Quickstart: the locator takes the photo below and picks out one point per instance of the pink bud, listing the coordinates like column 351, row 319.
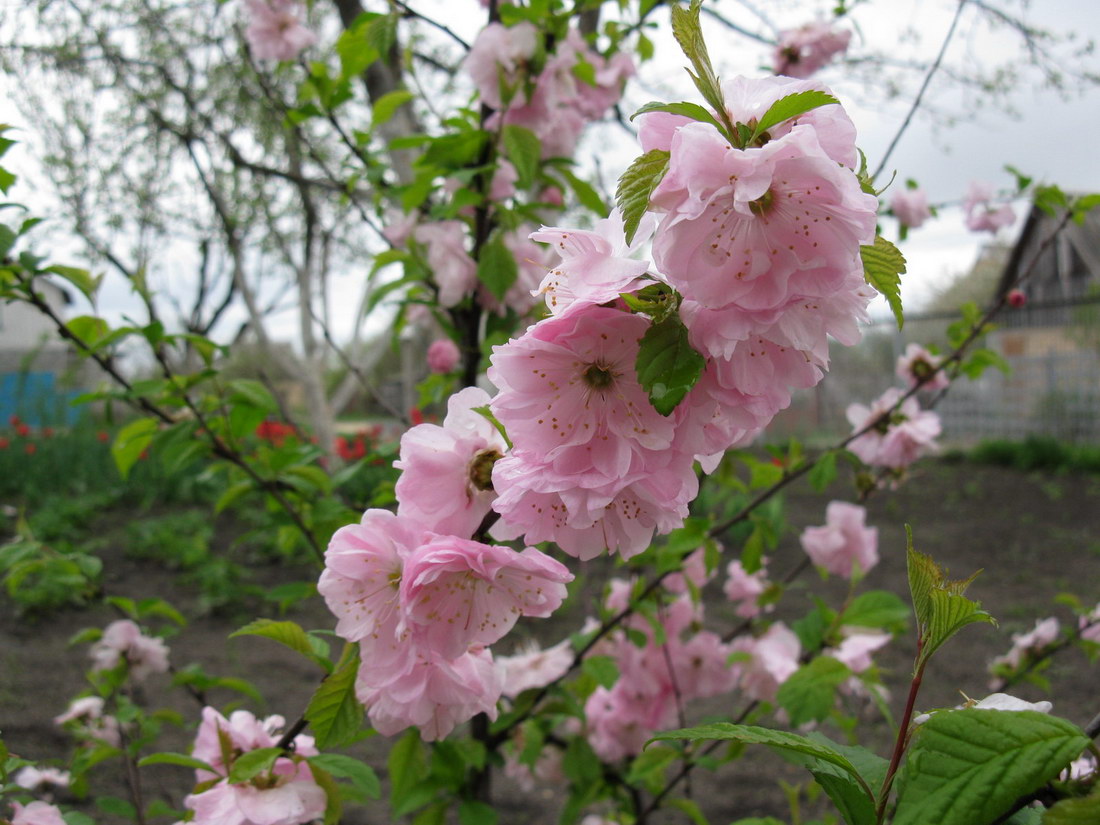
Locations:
column 1017, row 298
column 443, row 355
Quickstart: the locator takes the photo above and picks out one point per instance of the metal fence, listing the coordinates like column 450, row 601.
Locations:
column 1053, row 389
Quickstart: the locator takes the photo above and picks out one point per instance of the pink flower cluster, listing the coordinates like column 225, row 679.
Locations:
column 910, row 207
column 981, row 214
column 86, row 719
column 844, row 544
column 690, row 664
column 286, row 794
column 899, row 438
column 123, row 641
column 554, row 101
column 762, row 243
column 1043, row 634
column 802, row 51
column 36, row 813
column 420, row 596
column 275, row 31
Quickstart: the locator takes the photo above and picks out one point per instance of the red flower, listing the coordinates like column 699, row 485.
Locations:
column 47, row 432
column 3, row 443
column 22, row 430
column 103, row 436
column 416, row 416
column 31, row 449
column 1017, row 298
column 14, row 421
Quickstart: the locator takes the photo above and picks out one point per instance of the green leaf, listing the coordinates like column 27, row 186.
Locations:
column 496, row 267
column 850, row 799
column 823, row 473
column 940, row 606
column 252, row 763
column 883, row 266
column 689, row 34
column 691, row 110
column 131, row 441
column 1085, row 811
column 7, row 239
column 810, row 692
column 232, row 493
column 334, row 714
column 407, row 769
column 472, row 812
column 285, row 633
column 252, row 392
column 360, row 774
column 384, row 108
column 636, row 185
column 176, row 759
column 970, row 766
column 878, row 609
column 603, row 669
column 116, row 807
column 7, row 181
column 587, row 195
column 791, row 106
column 524, row 150
column 667, row 365
column 354, row 47
column 753, row 735
column 80, row 278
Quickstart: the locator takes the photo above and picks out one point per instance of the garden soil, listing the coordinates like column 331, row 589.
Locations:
column 1034, row 535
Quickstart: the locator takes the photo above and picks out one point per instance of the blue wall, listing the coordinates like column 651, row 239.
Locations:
column 36, row 398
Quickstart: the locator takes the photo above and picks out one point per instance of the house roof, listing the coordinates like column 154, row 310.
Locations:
column 1066, row 268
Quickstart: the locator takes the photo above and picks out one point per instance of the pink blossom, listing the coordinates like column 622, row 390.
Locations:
column 275, row 31
column 774, row 659
column 124, row 641
column 897, row 440
column 593, row 100
column 432, row 693
column 399, row 226
column 443, row 356
column 693, row 569
column 362, row 576
column 445, row 484
column 504, row 180
column 1090, row 625
column 844, row 543
column 1043, row 634
column 33, row 778
column 36, row 813
column 804, row 50
column 620, row 721
column 534, row 667
column 498, row 58
column 87, row 711
column 452, row 268
column 245, row 732
column 910, row 207
column 595, row 265
column 917, row 363
column 756, row 227
column 981, row 215
column 1003, row 701
column 745, row 589
column 458, row 593
column 856, row 649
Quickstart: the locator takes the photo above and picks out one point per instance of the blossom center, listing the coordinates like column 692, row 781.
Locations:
column 481, row 468
column 598, row 376
column 762, row 205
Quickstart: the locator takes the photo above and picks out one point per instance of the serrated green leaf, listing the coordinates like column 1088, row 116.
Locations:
column 823, row 473
column 1084, row 811
column 970, row 766
column 879, row 609
column 354, row 47
column 496, row 267
column 360, row 774
column 601, row 668
column 80, row 278
column 667, row 365
column 850, row 799
column 791, row 106
column 407, row 769
column 587, row 195
column 285, row 633
column 883, row 266
column 689, row 35
column 753, row 735
column 252, row 392
column 384, row 108
column 636, row 185
column 334, row 714
column 472, row 812
column 232, row 493
column 179, row 759
column 810, row 692
column 131, row 441
column 524, row 149
column 252, row 763
column 691, row 110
